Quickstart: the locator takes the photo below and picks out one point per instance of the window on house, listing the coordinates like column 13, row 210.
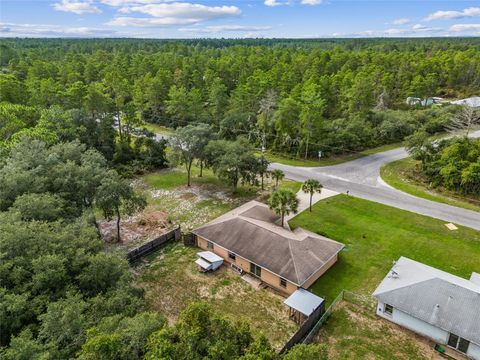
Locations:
column 283, row 282
column 255, row 270
column 231, row 256
column 458, row 343
column 209, row 245
column 463, row 345
column 388, row 309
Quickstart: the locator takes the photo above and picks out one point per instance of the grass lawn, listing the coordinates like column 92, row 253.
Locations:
column 354, row 332
column 376, row 234
column 206, row 199
column 158, row 129
column 172, row 281
column 403, row 175
column 332, row 160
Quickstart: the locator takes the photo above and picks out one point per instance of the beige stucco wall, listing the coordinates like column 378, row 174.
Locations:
column 274, row 281
column 266, row 276
column 320, row 272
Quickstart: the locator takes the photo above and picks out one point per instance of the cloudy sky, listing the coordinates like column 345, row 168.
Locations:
column 238, row 18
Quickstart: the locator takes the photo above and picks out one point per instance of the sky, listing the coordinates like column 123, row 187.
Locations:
column 238, row 18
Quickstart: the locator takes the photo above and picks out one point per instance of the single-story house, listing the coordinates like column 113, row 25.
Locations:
column 250, row 238
column 433, row 303
column 473, row 102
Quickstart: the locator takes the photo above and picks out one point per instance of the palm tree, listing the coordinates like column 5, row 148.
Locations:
column 283, row 202
column 311, row 186
column 278, row 175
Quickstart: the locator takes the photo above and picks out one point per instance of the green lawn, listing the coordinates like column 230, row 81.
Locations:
column 376, row 234
column 171, row 281
column 158, row 129
column 404, row 175
column 332, row 160
column 354, row 332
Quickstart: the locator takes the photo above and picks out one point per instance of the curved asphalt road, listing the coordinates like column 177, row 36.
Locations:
column 361, row 178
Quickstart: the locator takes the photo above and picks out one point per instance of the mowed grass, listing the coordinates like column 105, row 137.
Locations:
column 404, row 175
column 171, row 281
column 375, row 235
column 354, row 332
column 327, row 161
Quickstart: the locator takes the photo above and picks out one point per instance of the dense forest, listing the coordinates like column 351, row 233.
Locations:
column 292, row 96
column 69, row 117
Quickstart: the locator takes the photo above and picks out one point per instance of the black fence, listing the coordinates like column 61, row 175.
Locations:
column 305, row 329
column 153, row 245
column 190, row 239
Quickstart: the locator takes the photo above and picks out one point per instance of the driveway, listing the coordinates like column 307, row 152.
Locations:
column 361, row 178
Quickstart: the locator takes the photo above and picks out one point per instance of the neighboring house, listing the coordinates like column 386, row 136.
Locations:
column 433, row 303
column 415, row 101
column 473, row 102
column 250, row 238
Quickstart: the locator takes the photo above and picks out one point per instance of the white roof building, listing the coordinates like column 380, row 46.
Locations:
column 433, row 303
column 473, row 101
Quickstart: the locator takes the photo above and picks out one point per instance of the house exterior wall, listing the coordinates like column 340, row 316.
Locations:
column 474, row 351
column 419, row 326
column 320, row 272
column 266, row 276
column 438, row 335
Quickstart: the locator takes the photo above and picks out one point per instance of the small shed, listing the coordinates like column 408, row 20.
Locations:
column 208, row 261
column 302, row 304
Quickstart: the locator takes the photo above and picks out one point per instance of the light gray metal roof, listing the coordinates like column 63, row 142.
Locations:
column 304, row 301
column 434, row 296
column 203, row 264
column 209, row 256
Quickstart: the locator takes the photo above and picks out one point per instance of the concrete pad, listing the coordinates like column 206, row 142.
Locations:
column 304, row 201
column 255, row 282
column 451, row 226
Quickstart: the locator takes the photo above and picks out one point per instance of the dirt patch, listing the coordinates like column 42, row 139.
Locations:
column 139, row 228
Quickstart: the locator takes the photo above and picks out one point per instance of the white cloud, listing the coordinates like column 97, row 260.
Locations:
column 224, row 28
column 118, row 3
column 464, row 27
column 168, row 14
column 311, row 2
column 448, row 15
column 275, row 3
column 41, row 30
column 415, row 30
column 401, row 21
column 76, row 7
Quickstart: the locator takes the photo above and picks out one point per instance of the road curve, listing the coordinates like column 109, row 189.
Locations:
column 361, row 178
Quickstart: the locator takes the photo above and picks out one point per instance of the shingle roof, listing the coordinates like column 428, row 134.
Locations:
column 434, row 296
column 248, row 231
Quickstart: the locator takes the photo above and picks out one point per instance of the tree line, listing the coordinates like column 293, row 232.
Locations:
column 297, row 97
column 63, row 296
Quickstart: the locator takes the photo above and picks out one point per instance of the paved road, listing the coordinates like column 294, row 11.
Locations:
column 361, row 178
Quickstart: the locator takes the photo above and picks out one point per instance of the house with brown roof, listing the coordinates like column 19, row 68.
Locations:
column 250, row 238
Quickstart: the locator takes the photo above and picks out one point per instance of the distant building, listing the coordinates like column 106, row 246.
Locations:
column 433, row 303
column 415, row 101
column 473, row 101
column 250, row 239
